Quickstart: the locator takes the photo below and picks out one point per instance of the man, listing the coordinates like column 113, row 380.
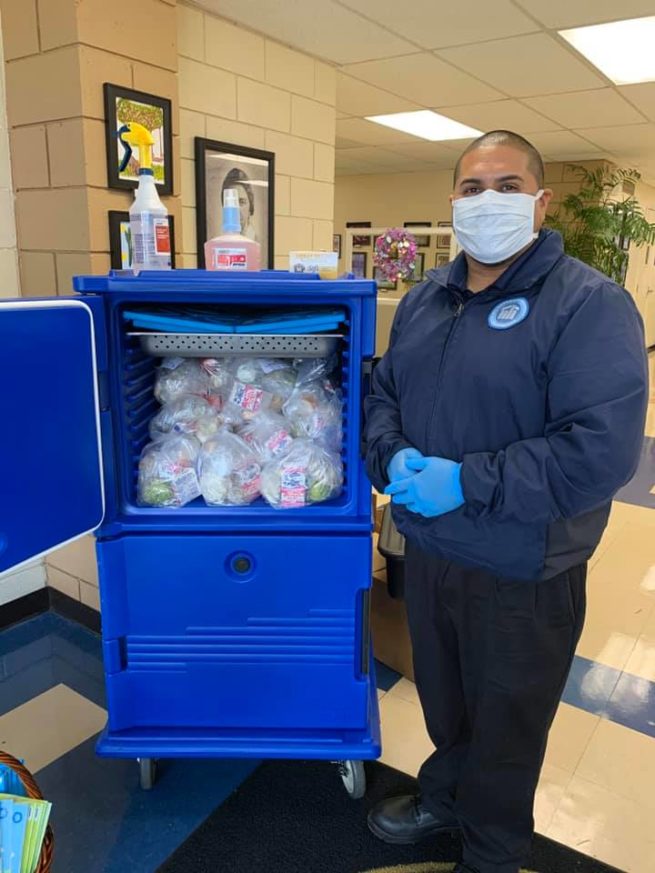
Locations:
column 505, row 415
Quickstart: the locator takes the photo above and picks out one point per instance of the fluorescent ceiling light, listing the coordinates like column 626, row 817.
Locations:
column 622, row 50
column 426, row 124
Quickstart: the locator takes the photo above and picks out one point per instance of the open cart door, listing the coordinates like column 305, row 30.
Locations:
column 51, row 488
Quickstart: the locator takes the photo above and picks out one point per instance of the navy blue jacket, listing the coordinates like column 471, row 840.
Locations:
column 546, row 416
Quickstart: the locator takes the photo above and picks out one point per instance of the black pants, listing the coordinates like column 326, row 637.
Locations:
column 491, row 658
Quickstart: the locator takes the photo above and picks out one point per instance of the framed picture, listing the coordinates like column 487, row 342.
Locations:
column 120, row 240
column 419, row 269
column 441, row 260
column 422, row 240
column 336, row 244
column 384, row 284
column 359, row 264
column 359, row 241
column 221, row 165
column 123, row 105
column 443, row 241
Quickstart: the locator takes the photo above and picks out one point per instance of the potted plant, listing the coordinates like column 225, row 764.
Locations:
column 600, row 221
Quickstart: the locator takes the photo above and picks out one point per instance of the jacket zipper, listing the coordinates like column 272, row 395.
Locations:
column 460, row 308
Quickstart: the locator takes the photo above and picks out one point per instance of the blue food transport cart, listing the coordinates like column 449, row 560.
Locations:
column 227, row 631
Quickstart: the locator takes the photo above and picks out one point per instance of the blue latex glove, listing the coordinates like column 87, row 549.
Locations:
column 433, row 488
column 398, row 469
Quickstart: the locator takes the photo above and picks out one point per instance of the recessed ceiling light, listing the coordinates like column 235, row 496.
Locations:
column 426, row 124
column 622, row 50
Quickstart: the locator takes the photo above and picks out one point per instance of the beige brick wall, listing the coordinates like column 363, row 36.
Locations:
column 238, row 87
column 58, row 55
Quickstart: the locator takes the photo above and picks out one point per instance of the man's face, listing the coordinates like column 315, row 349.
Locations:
column 502, row 168
column 244, row 206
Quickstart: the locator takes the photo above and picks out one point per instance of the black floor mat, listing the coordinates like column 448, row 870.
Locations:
column 295, row 817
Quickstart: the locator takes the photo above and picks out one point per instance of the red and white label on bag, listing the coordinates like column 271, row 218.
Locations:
column 293, row 487
column 230, row 259
column 248, row 397
column 162, row 236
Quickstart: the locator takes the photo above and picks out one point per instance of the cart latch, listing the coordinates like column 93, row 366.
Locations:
column 115, row 655
column 368, row 366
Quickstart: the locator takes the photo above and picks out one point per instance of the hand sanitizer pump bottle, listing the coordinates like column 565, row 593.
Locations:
column 231, row 250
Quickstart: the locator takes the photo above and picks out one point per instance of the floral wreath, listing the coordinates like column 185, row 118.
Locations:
column 395, row 254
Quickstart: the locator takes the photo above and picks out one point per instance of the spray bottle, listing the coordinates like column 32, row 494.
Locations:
column 231, row 250
column 148, row 215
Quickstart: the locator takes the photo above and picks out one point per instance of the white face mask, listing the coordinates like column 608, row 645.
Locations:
column 492, row 227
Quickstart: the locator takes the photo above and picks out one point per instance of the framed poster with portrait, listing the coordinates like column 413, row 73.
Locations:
column 359, row 265
column 422, row 240
column 443, row 240
column 419, row 269
column 123, row 105
column 221, row 165
column 120, row 240
column 383, row 283
column 360, row 241
column 441, row 260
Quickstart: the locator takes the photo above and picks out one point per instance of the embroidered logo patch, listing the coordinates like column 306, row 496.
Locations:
column 509, row 313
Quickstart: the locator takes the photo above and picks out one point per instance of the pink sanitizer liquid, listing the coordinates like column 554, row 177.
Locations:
column 231, row 250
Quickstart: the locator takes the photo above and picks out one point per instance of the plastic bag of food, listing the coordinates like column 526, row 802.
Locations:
column 190, row 414
column 219, row 373
column 280, row 382
column 245, row 401
column 314, row 412
column 305, row 474
column 314, row 369
column 167, row 472
column 268, row 435
column 178, row 376
column 228, row 471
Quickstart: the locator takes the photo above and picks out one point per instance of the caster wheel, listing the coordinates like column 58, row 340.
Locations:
column 354, row 778
column 147, row 772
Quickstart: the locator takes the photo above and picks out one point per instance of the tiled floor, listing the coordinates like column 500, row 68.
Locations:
column 596, row 790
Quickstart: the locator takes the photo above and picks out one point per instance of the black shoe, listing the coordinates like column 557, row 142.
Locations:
column 462, row 868
column 403, row 821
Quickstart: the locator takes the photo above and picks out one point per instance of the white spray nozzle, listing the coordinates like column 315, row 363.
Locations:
column 231, row 198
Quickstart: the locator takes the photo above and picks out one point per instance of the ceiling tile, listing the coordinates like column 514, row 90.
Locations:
column 430, row 26
column 565, row 13
column 368, row 133
column 427, row 151
column 634, row 139
column 500, row 115
column 368, row 154
column 642, row 96
column 564, row 145
column 343, row 143
column 426, row 78
column 524, row 65
column 319, row 27
column 586, row 108
column 355, row 97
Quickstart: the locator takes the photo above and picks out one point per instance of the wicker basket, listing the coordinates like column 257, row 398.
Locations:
column 32, row 789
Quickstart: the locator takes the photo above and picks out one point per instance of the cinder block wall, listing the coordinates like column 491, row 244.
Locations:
column 238, row 87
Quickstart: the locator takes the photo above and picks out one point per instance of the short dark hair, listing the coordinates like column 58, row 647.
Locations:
column 508, row 138
column 238, row 177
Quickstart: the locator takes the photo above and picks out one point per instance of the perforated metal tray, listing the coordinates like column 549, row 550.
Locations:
column 203, row 345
